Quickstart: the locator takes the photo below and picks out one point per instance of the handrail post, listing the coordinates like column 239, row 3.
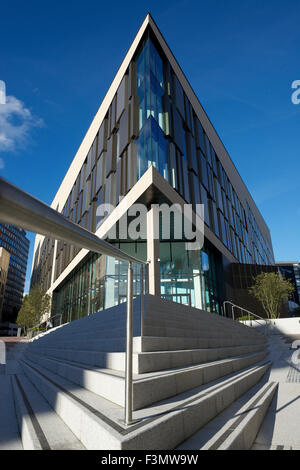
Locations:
column 129, row 334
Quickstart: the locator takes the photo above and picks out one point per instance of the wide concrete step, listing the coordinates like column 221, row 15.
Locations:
column 147, row 388
column 40, row 427
column 116, row 344
column 110, row 315
column 151, row 328
column 247, row 427
column 151, row 388
column 200, row 408
column 113, row 332
column 160, row 313
column 160, row 343
column 154, row 330
column 164, row 318
column 157, row 306
column 164, row 360
column 145, row 344
column 188, row 366
column 104, row 382
column 235, row 428
column 82, row 328
column 96, row 422
column 197, row 317
column 149, row 361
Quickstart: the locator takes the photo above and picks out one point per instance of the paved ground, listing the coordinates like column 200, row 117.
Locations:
column 9, row 432
column 11, row 341
column 281, row 427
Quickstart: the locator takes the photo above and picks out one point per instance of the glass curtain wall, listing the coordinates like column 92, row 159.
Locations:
column 186, row 277
column 189, row 277
column 151, row 144
column 99, row 283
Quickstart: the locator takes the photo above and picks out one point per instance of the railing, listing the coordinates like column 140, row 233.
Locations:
column 31, row 331
column 48, row 324
column 250, row 314
column 50, row 321
column 23, row 210
column 178, row 295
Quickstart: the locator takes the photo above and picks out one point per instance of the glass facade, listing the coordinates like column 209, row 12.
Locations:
column 151, row 122
column 100, row 282
column 292, row 272
column 14, row 240
column 189, row 277
column 173, row 140
column 152, row 145
column 150, row 85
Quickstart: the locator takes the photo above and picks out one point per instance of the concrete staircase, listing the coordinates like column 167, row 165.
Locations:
column 190, row 368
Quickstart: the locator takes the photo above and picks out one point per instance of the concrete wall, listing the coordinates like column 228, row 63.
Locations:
column 286, row 326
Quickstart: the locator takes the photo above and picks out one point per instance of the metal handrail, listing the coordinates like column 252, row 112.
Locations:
column 38, row 325
column 25, row 211
column 57, row 315
column 233, row 306
column 178, row 295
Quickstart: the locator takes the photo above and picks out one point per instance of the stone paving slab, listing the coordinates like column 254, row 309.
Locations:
column 280, row 429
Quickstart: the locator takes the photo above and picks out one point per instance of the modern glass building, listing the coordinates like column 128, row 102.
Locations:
column 14, row 240
column 151, row 143
column 291, row 270
column 4, row 263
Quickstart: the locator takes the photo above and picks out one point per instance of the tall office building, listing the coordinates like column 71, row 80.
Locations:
column 14, row 241
column 290, row 270
column 4, row 263
column 151, row 142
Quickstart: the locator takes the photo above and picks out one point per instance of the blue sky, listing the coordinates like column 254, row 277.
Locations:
column 58, row 59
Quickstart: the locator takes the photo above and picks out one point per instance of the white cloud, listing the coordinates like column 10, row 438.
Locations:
column 16, row 122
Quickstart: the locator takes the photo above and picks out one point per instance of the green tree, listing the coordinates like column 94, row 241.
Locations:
column 25, row 317
column 34, row 305
column 271, row 290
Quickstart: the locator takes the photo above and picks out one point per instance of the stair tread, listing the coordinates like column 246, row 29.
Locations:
column 211, row 436
column 83, row 396
column 105, row 338
column 115, row 413
column 147, row 353
column 188, row 367
column 148, row 375
column 55, row 432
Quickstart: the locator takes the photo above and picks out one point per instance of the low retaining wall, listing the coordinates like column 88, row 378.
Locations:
column 286, row 326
